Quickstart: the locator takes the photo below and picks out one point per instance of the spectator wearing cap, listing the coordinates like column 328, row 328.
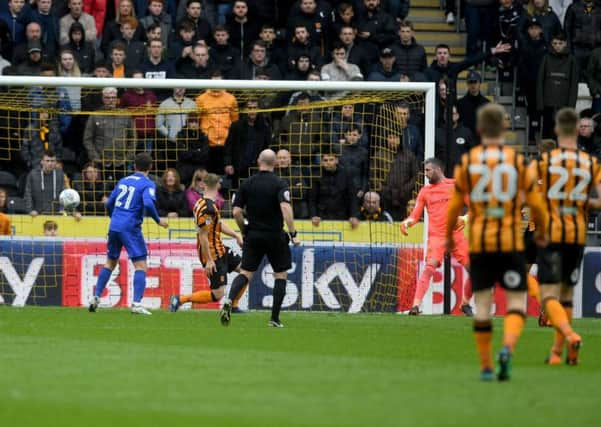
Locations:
column 76, row 15
column 582, row 27
column 302, row 44
column 531, row 54
column 31, row 66
column 543, row 15
column 587, row 140
column 375, row 28
column 443, row 67
column 593, row 73
column 410, row 55
column 386, row 69
column 49, row 24
column 557, row 83
column 33, row 31
column 469, row 104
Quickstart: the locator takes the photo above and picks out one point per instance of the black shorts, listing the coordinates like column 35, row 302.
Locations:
column 233, row 260
column 219, row 277
column 507, row 269
column 558, row 263
column 274, row 245
column 531, row 248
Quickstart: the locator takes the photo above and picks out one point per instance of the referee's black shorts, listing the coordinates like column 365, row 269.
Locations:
column 274, row 245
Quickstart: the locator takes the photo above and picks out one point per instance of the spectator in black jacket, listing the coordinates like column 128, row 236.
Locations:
column 92, row 190
column 242, row 29
column 192, row 148
column 258, row 59
column 302, row 68
column 587, row 140
column 344, row 16
column 470, row 103
column 333, row 195
column 354, row 158
column 594, row 79
column 372, row 211
column 461, row 141
column 223, row 55
column 171, row 201
column 386, row 69
column 443, row 67
column 315, row 17
column 84, row 50
column 375, row 27
column 557, row 84
column 399, row 176
column 275, row 47
column 180, row 47
column 198, row 66
column 410, row 55
column 508, row 21
column 302, row 44
column 583, row 30
column 202, row 26
column 247, row 137
column 540, row 12
column 531, row 54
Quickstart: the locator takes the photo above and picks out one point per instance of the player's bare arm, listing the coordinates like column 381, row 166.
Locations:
column 289, row 220
column 203, row 237
column 225, row 229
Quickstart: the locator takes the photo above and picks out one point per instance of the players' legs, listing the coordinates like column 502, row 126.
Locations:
column 483, row 331
column 423, row 282
column 139, row 279
column 461, row 254
column 515, row 318
column 104, row 276
column 279, row 292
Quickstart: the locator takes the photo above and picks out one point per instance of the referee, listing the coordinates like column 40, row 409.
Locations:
column 266, row 198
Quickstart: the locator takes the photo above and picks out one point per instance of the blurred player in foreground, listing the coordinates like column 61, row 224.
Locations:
column 435, row 198
column 132, row 196
column 495, row 179
column 567, row 176
column 211, row 250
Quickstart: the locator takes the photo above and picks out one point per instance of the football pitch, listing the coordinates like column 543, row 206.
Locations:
column 67, row 367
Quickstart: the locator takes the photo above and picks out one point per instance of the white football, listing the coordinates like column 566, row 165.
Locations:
column 69, row 199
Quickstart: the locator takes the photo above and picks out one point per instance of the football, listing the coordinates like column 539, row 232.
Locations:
column 69, row 199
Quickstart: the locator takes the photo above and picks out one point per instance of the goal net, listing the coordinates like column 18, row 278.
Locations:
column 344, row 148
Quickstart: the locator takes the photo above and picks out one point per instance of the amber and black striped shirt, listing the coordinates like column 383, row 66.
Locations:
column 566, row 178
column 206, row 214
column 495, row 179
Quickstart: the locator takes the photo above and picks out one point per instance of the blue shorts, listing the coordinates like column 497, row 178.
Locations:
column 133, row 241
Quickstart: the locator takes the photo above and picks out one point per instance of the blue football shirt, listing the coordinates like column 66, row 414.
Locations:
column 132, row 197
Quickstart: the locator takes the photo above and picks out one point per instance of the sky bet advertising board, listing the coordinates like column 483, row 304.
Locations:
column 324, row 277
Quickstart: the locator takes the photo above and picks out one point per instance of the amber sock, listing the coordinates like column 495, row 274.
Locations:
column 558, row 316
column 200, row 297
column 513, row 326
column 533, row 288
column 237, row 299
column 559, row 339
column 483, row 336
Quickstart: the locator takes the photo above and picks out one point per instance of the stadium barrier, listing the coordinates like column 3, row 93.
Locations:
column 352, row 279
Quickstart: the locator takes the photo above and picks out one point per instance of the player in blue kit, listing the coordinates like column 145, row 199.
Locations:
column 132, row 197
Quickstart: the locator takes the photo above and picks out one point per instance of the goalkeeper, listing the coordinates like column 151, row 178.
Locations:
column 435, row 198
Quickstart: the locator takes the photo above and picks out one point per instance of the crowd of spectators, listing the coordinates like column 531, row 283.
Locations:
column 335, row 168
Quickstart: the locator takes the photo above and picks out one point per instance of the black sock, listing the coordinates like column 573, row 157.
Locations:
column 237, row 286
column 279, row 291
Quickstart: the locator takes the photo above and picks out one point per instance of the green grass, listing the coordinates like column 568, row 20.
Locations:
column 67, row 367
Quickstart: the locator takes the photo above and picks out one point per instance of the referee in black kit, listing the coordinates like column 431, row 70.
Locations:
column 266, row 198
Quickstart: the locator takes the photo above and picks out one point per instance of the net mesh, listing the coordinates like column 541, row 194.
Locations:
column 96, row 134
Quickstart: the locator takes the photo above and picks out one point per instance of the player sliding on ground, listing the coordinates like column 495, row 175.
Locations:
column 496, row 179
column 435, row 198
column 211, row 250
column 567, row 176
column 132, row 196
